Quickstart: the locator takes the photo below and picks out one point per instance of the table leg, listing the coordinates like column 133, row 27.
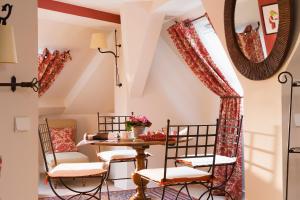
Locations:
column 140, row 164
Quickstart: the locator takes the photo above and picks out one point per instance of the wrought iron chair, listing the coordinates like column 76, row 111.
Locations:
column 227, row 163
column 65, row 171
column 185, row 141
column 116, row 124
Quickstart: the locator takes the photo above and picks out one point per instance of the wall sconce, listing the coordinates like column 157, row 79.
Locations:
column 8, row 52
column 98, row 41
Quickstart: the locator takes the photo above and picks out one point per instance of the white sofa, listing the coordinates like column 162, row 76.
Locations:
column 65, row 157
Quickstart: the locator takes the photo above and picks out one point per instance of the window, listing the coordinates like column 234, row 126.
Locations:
column 215, row 48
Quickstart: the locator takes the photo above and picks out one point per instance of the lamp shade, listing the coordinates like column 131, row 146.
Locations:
column 8, row 53
column 98, row 40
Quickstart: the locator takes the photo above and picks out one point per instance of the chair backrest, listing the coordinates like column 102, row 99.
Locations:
column 46, row 143
column 229, row 132
column 113, row 123
column 190, row 141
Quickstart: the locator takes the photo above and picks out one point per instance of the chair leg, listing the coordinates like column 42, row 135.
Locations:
column 107, row 190
column 146, row 163
column 100, row 187
column 163, row 194
column 204, row 193
column 209, row 195
column 179, row 191
column 188, row 191
column 211, row 192
column 106, row 178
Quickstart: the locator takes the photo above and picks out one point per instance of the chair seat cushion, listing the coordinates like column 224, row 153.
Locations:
column 66, row 157
column 121, row 154
column 207, row 161
column 175, row 175
column 78, row 169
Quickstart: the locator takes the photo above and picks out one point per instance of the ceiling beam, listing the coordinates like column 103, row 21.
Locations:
column 79, row 11
column 139, row 46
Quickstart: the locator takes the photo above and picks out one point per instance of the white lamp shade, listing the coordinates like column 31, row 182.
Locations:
column 8, row 53
column 98, row 40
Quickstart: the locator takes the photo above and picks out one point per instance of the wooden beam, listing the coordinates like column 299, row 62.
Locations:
column 79, row 11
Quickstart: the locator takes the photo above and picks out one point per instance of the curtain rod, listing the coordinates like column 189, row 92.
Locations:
column 197, row 18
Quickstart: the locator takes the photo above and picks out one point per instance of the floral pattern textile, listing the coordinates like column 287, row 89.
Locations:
column 50, row 65
column 199, row 61
column 62, row 140
column 250, row 44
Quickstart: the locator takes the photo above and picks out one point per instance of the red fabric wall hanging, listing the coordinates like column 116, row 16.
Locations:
column 50, row 66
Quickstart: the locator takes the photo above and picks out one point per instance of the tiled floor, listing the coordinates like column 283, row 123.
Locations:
column 45, row 191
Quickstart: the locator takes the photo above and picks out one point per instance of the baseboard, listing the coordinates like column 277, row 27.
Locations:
column 124, row 184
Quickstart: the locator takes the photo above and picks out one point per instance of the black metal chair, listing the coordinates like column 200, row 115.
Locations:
column 229, row 131
column 116, row 124
column 64, row 171
column 185, row 141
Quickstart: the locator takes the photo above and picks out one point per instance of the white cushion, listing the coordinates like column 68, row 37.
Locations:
column 175, row 175
column 66, row 157
column 207, row 161
column 118, row 155
column 78, row 169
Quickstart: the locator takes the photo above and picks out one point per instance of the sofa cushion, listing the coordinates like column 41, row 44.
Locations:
column 66, row 157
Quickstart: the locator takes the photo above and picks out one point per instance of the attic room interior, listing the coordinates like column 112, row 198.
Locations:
column 149, row 99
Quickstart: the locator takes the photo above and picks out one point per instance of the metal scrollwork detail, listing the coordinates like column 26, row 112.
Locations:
column 283, row 77
column 7, row 7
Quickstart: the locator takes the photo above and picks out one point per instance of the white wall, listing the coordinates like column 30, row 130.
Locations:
column 94, row 71
column 19, row 178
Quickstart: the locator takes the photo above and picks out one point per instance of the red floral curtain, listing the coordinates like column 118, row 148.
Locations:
column 250, row 44
column 199, row 61
column 50, row 65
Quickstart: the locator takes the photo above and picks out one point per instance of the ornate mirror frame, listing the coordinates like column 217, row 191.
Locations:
column 269, row 66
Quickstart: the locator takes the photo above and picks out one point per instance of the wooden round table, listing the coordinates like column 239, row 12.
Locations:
column 139, row 146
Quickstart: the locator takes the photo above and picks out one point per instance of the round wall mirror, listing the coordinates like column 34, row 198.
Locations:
column 258, row 35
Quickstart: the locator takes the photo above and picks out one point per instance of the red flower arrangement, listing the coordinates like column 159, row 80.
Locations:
column 137, row 121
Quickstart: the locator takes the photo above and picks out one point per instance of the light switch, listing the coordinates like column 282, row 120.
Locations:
column 297, row 119
column 22, row 124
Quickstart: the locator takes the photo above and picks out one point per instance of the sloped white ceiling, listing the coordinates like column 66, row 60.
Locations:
column 97, row 93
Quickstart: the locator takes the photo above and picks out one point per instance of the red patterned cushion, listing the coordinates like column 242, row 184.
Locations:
column 62, row 140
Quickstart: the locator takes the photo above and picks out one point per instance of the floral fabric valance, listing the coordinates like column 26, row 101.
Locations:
column 50, row 66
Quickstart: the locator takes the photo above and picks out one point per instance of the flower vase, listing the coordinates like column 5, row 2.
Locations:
column 138, row 130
